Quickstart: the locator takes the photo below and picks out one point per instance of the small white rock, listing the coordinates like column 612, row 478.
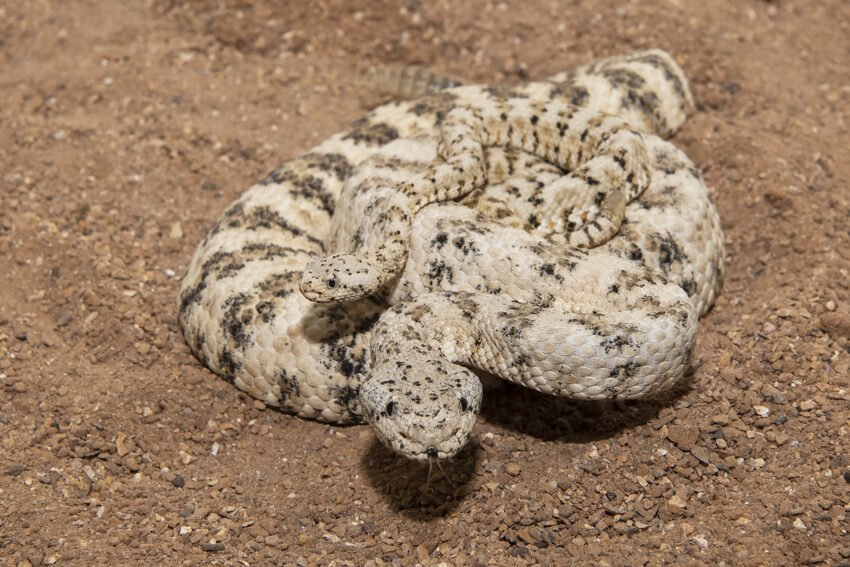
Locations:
column 185, row 530
column 798, row 523
column 700, row 540
column 89, row 471
column 762, row 411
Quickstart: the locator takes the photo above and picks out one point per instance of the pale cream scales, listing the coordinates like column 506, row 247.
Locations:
column 606, row 163
column 243, row 315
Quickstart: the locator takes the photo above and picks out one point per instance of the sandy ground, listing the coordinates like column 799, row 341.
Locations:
column 127, row 127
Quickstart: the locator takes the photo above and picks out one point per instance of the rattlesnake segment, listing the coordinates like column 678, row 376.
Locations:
column 242, row 313
column 406, row 81
column 606, row 160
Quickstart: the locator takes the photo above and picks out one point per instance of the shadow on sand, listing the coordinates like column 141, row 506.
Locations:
column 423, row 492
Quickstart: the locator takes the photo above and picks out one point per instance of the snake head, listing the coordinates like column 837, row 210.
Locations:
column 341, row 277
column 422, row 408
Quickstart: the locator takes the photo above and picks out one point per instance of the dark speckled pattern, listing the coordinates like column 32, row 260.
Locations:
column 240, row 307
column 606, row 163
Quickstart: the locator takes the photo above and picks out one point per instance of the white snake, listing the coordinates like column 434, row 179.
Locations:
column 615, row 321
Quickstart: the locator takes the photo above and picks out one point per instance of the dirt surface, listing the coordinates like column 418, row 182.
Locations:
column 127, row 127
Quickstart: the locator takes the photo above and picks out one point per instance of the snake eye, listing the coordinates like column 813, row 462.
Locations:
column 390, row 408
column 331, row 283
column 464, row 405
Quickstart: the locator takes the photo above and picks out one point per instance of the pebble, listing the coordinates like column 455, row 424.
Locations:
column 50, row 339
column 122, row 445
column 700, row 540
column 808, row 405
column 89, row 472
column 676, row 504
column 684, row 436
column 779, row 398
column 63, row 318
column 836, row 323
column 178, row 481
column 701, row 454
column 762, row 411
column 720, row 419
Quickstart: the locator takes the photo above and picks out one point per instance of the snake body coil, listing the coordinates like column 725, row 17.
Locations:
column 476, row 288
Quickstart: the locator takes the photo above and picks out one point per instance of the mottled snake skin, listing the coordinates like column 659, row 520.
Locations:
column 607, row 167
column 615, row 321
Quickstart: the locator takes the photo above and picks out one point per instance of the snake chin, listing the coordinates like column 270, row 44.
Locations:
column 340, row 277
column 416, row 424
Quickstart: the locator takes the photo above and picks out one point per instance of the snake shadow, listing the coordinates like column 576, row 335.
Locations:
column 417, row 490
column 564, row 420
column 422, row 493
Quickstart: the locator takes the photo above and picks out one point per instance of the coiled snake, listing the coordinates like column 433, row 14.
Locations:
column 490, row 282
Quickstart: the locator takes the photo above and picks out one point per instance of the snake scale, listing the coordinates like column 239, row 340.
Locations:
column 482, row 283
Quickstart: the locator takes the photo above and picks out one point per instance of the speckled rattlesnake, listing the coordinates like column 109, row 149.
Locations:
column 613, row 321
